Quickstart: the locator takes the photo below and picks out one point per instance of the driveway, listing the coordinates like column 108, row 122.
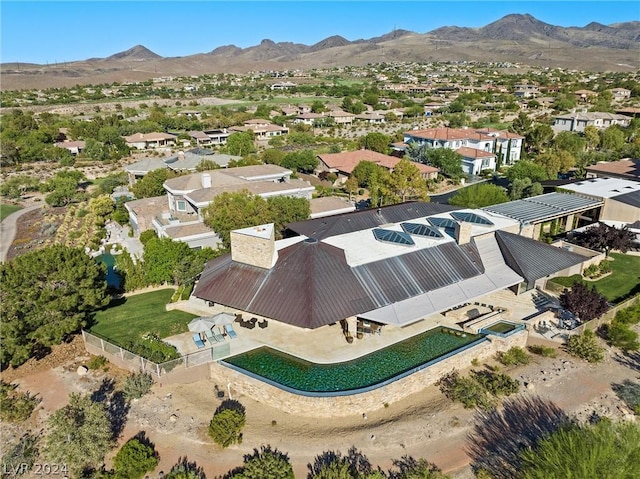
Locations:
column 8, row 228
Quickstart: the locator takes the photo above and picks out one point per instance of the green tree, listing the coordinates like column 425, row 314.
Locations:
column 364, row 172
column 522, row 124
column 406, row 183
column 448, row 161
column 538, row 139
column 47, row 295
column 152, row 183
column 207, row 165
column 135, row 459
column 375, row 141
column 584, row 302
column 272, row 156
column 555, row 161
column 409, row 468
column 479, row 196
column 568, row 141
column 526, row 169
column 605, row 449
column 333, row 465
column 585, row 346
column 285, row 209
column 226, row 424
column 22, row 453
column 79, row 434
column 265, row 463
column 15, row 406
column 304, row 161
column 612, row 138
column 161, row 258
column 591, row 137
column 240, row 143
column 351, row 185
column 185, row 469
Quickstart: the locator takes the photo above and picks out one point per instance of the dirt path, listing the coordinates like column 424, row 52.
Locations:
column 423, row 425
column 8, row 229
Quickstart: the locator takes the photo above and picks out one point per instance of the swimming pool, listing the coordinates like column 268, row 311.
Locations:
column 113, row 278
column 502, row 328
column 358, row 375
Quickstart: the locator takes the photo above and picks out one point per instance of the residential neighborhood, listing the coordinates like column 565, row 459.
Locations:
column 386, row 269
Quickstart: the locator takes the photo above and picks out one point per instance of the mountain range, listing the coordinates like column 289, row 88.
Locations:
column 514, row 38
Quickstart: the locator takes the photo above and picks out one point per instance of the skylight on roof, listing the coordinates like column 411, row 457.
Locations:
column 421, row 230
column 442, row 222
column 471, row 218
column 390, row 236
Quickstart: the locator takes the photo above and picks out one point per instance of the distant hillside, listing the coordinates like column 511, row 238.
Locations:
column 514, row 38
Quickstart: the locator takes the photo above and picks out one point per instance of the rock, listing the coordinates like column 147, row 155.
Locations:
column 173, row 418
column 82, row 370
column 530, row 386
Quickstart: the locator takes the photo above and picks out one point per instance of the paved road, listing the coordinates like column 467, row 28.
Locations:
column 8, row 230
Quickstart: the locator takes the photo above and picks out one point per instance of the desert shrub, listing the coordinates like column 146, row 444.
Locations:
column 185, row 469
column 513, row 357
column 585, row 346
column 226, row 425
column 620, row 335
column 151, row 347
column 22, row 454
column 629, row 315
column 591, row 271
column 498, row 384
column 15, row 406
column 135, row 459
column 464, row 389
column 137, row 385
column 97, row 362
column 629, row 392
column 545, row 351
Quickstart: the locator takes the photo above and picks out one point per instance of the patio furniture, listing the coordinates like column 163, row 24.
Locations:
column 263, row 324
column 198, row 340
column 210, row 337
column 218, row 335
column 229, row 329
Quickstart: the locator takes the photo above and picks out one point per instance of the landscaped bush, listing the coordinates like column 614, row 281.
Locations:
column 15, row 406
column 153, row 348
column 466, row 390
column 22, row 453
column 620, row 335
column 513, row 357
column 605, row 267
column 137, row 385
column 629, row 315
column 97, row 362
column 498, row 384
column 226, row 425
column 591, row 271
column 546, row 351
column 135, row 459
column 585, row 346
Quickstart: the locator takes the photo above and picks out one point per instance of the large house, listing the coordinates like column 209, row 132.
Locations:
column 262, row 129
column 389, row 266
column 145, row 141
column 344, row 163
column 479, row 147
column 178, row 215
column 579, row 121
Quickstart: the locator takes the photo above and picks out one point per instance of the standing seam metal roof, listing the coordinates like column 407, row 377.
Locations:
column 538, row 208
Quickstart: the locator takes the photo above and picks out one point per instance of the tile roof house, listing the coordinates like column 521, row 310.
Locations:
column 489, row 141
column 144, row 141
column 343, row 163
column 395, row 265
column 627, row 169
column 187, row 195
column 262, row 129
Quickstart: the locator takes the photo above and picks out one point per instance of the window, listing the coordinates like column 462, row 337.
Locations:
column 181, row 205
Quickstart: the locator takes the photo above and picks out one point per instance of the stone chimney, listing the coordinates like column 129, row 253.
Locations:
column 255, row 246
column 463, row 232
column 206, row 180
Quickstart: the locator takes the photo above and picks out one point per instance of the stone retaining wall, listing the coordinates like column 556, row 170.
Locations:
column 363, row 402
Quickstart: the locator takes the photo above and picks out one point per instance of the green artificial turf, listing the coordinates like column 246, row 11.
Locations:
column 6, row 210
column 132, row 317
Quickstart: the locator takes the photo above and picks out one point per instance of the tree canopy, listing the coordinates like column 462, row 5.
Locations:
column 605, row 238
column 46, row 295
column 265, row 463
column 584, row 302
column 405, row 182
column 240, row 143
column 375, row 141
column 152, row 183
column 479, row 196
column 526, row 169
column 231, row 211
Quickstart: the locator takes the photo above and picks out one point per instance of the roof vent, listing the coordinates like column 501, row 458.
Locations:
column 311, row 241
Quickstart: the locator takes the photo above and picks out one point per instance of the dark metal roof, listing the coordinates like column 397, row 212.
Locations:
column 543, row 207
column 632, row 199
column 311, row 284
column 533, row 259
column 361, row 220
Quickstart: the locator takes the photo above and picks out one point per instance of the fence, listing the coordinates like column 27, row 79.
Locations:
column 133, row 362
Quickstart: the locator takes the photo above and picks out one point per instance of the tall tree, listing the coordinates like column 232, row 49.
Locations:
column 585, row 303
column 526, row 169
column 448, row 161
column 539, row 138
column 479, row 196
column 79, row 434
column 47, row 295
column 375, row 141
column 152, row 183
column 555, row 161
column 240, row 143
column 605, row 238
column 265, row 463
column 405, row 182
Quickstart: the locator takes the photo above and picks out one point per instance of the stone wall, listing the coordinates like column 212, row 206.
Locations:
column 242, row 384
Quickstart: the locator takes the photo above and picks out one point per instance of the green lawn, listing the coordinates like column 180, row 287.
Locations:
column 623, row 282
column 140, row 314
column 6, row 210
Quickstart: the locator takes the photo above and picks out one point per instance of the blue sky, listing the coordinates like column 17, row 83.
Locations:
column 55, row 31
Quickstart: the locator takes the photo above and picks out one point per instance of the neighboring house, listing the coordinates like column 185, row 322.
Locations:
column 579, row 121
column 344, row 163
column 626, row 169
column 341, row 117
column 474, row 161
column 620, row 94
column 391, row 266
column 187, row 195
column 489, row 141
column 193, row 114
column 371, row 117
column 262, row 129
column 200, row 137
column 621, row 197
column 585, row 95
column 283, row 85
column 74, row 147
column 217, row 136
column 329, row 206
column 140, row 168
column 307, row 118
column 145, row 141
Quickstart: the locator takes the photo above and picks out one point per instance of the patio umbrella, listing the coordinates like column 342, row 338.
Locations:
column 223, row 318
column 200, row 325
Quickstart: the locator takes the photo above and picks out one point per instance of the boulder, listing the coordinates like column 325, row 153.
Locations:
column 82, row 370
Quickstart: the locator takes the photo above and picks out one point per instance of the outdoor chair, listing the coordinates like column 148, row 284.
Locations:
column 263, row 324
column 229, row 329
column 218, row 335
column 210, row 336
column 198, row 340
